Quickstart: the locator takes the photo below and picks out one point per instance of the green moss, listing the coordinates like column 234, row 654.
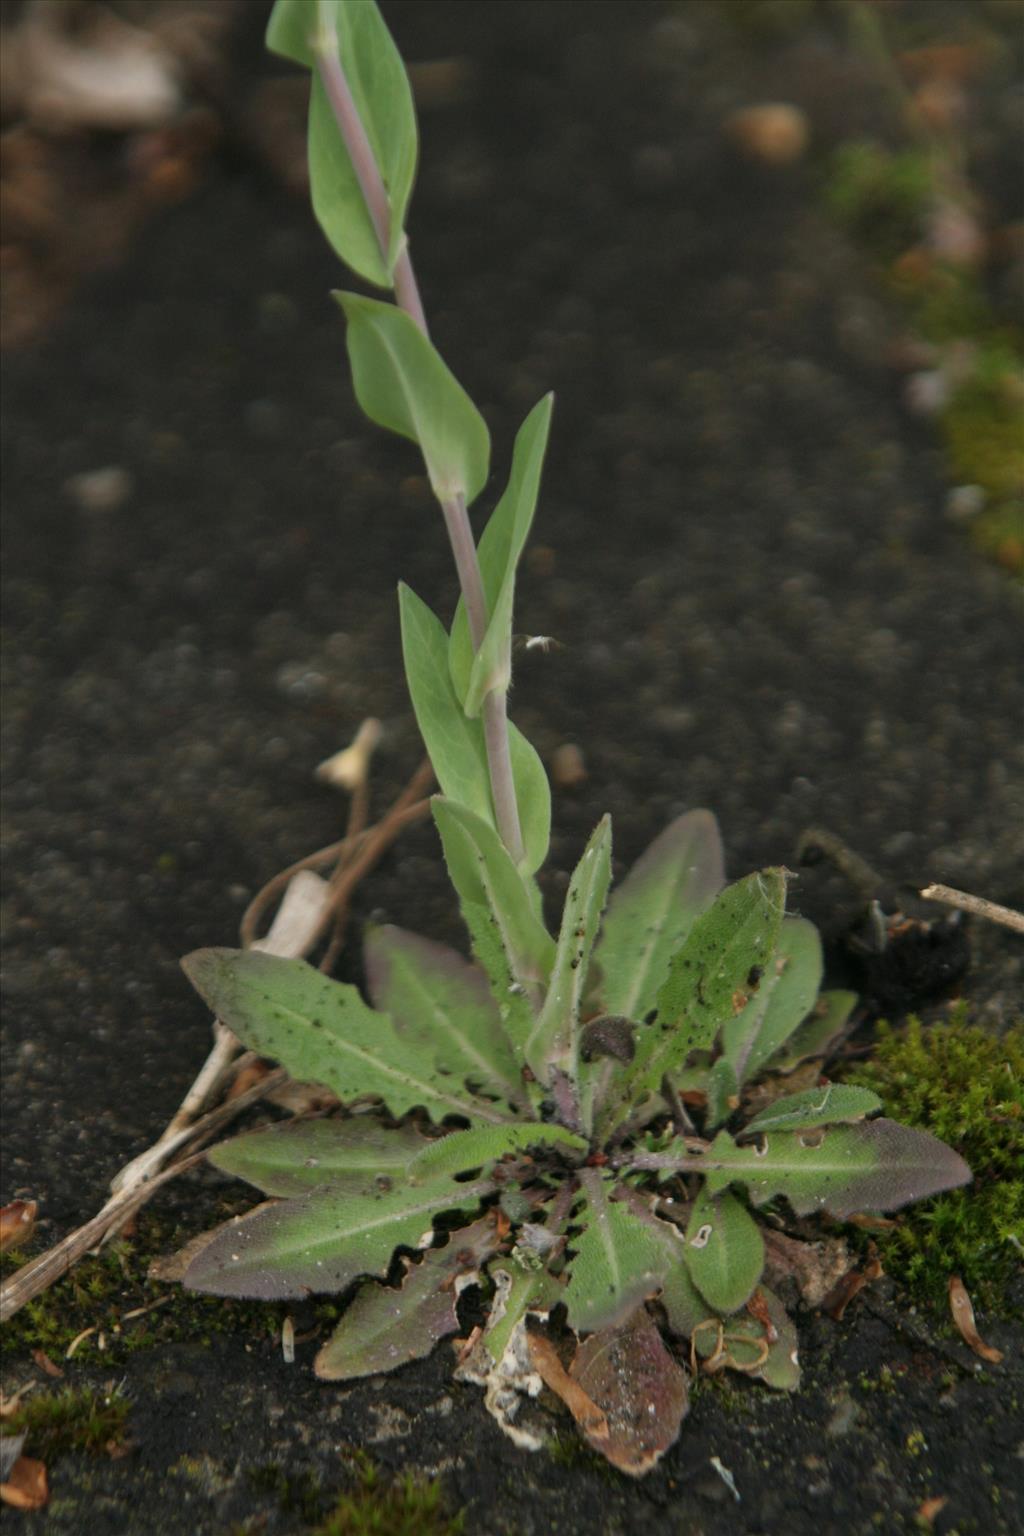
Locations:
column 99, row 1292
column 967, row 1087
column 74, row 1419
column 880, row 195
column 373, row 1507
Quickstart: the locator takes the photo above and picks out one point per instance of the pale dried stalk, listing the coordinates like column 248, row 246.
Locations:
column 978, row 905
column 40, row 1273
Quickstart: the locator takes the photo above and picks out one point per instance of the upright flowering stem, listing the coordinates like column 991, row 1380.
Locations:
column 460, row 535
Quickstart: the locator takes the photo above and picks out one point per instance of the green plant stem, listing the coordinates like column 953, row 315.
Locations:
column 460, row 534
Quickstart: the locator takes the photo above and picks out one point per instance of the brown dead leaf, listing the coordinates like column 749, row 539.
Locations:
column 837, row 1301
column 26, row 1487
column 815, row 1268
column 545, row 1361
column 640, row 1387
column 45, row 1364
column 929, row 1508
column 757, row 1306
column 963, row 1315
column 17, row 1223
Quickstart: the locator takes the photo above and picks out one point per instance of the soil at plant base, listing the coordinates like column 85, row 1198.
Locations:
column 762, row 608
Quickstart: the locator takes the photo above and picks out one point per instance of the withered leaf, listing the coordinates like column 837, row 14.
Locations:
column 26, row 1486
column 963, row 1316
column 545, row 1361
column 17, row 1223
column 641, row 1388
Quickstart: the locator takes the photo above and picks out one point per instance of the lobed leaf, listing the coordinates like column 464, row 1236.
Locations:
column 642, row 1391
column 321, row 1242
column 302, row 1155
column 323, row 1032
column 619, row 1261
column 477, row 1148
column 300, row 30
column 875, row 1165
column 652, row 911
column 518, row 1292
column 554, row 1042
column 707, row 974
column 477, row 673
column 416, row 982
column 403, row 383
column 724, row 1250
column 384, row 1328
column 779, row 1001
column 828, row 1105
column 484, row 876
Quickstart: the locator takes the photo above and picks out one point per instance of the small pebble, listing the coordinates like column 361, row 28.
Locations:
column 773, row 131
column 101, row 490
column 567, row 766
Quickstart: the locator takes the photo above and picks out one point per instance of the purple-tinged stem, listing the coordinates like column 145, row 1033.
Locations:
column 460, row 534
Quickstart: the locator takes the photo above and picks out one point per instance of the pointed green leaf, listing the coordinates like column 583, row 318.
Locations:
column 722, row 1091
column 706, row 977
column 301, row 1155
column 484, row 875
column 830, row 1104
column 323, row 1032
column 533, row 799
column 825, row 1023
column 423, row 985
column 511, row 996
column 875, row 1165
column 403, row 383
column 653, row 910
column 724, row 1251
column 464, row 1150
column 385, row 1328
column 618, row 1260
column 778, row 1003
column 476, row 674
column 456, row 744
column 322, row 1242
column 372, row 65
column 553, row 1041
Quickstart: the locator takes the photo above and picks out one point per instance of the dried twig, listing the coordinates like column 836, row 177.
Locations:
column 978, row 905
column 40, row 1273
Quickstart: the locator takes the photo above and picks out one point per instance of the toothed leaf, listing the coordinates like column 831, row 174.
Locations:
column 463, row 1150
column 618, row 1260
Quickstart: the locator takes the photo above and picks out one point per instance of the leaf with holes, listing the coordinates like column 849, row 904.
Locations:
column 385, row 1327
column 706, row 977
column 875, row 1165
column 321, row 1242
column 724, row 1250
column 323, row 1032
column 779, row 1000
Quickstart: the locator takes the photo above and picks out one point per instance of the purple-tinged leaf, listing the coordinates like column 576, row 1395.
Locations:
column 876, row 1165
column 321, row 1242
column 641, row 1389
column 724, row 1251
column 298, row 1156
column 385, row 1328
column 436, row 998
